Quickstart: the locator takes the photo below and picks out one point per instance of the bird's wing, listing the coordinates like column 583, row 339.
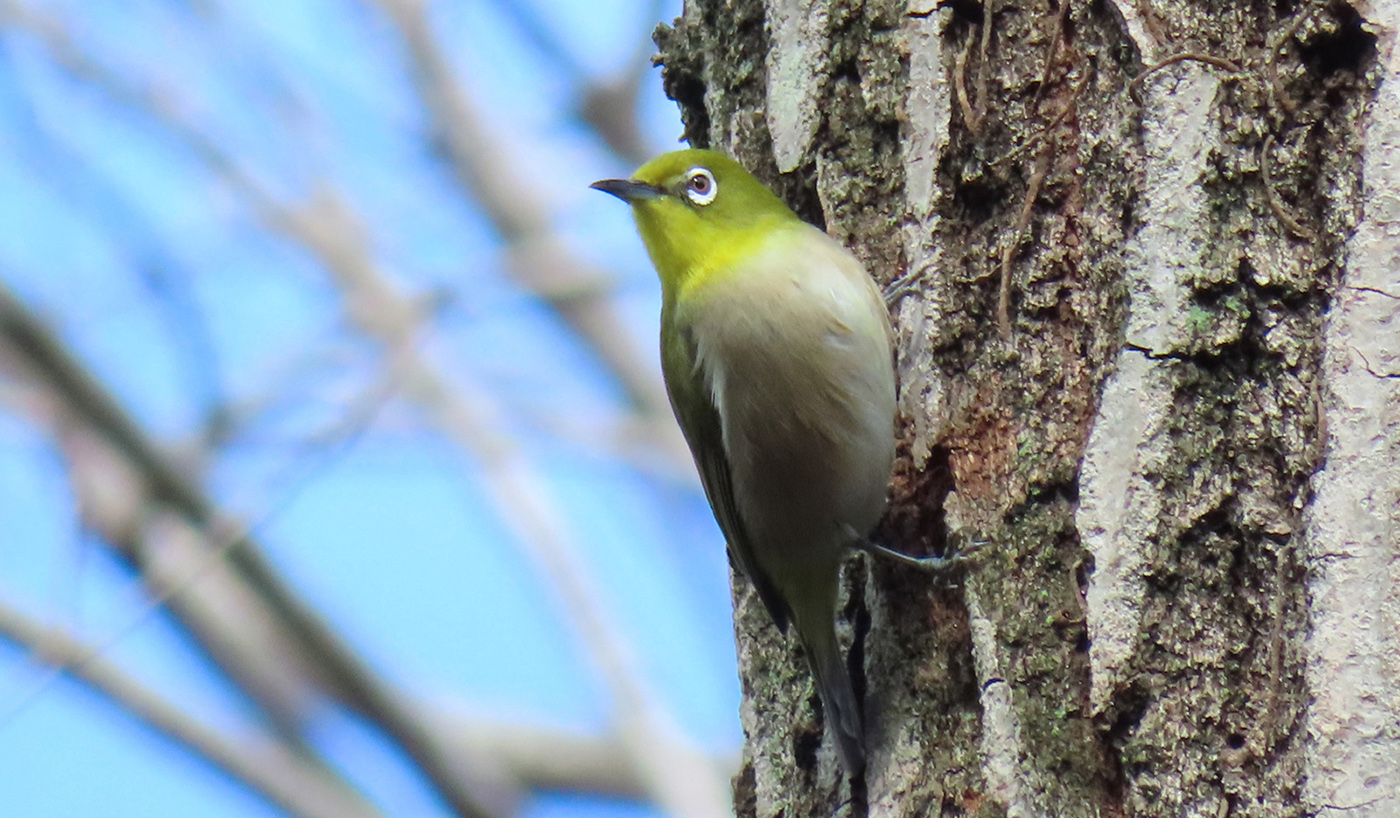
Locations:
column 693, row 403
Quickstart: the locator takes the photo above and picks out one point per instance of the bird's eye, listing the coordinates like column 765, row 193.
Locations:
column 700, row 186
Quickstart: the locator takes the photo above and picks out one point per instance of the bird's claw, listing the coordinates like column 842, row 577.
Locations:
column 932, row 564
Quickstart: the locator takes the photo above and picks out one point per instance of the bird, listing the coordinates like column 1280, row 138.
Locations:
column 777, row 352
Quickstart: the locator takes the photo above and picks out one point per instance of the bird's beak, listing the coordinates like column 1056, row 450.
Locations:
column 628, row 190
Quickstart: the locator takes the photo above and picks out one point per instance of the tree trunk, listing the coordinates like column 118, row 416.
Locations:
column 1147, row 351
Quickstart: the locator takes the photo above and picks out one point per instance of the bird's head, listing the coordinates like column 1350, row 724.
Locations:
column 698, row 211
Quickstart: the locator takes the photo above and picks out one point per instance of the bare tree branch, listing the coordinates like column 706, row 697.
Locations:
column 269, row 769
column 539, row 261
column 337, row 666
column 678, row 778
column 548, row 759
column 119, row 493
column 72, row 176
column 607, row 105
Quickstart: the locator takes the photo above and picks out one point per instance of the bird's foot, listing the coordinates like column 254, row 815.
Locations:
column 956, row 558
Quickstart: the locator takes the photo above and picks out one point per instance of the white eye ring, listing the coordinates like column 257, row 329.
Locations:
column 700, row 186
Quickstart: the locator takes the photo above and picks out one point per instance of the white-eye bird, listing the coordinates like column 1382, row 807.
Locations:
column 777, row 351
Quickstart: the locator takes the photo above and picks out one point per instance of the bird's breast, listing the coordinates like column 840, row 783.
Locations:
column 795, row 351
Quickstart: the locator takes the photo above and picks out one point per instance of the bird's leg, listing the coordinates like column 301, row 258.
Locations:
column 933, row 565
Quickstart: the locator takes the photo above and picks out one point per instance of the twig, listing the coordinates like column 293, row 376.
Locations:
column 1042, row 168
column 1375, row 290
column 1366, row 365
column 1280, row 93
column 1050, row 52
column 1280, row 212
column 1038, row 174
column 271, row 771
column 984, row 68
column 1194, row 56
column 1072, row 103
column 1045, row 132
column 902, row 287
column 974, row 122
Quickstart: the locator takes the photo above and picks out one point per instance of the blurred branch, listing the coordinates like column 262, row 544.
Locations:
column 181, row 567
column 269, row 769
column 623, row 439
column 523, row 14
column 49, row 33
column 71, row 174
column 678, row 778
column 337, row 666
column 555, row 760
column 539, row 262
column 119, row 477
column 184, row 569
column 490, row 176
column 538, row 758
column 608, row 106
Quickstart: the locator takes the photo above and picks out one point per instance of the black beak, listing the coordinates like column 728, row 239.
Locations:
column 628, row 190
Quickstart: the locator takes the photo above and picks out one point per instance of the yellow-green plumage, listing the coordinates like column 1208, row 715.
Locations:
column 776, row 349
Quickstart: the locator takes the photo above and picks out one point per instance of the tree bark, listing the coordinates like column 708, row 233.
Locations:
column 1147, row 351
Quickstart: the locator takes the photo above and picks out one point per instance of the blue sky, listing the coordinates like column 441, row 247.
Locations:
column 166, row 283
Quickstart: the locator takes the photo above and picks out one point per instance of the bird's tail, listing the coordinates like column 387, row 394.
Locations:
column 839, row 703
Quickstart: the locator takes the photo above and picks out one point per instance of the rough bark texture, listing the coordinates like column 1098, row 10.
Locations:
column 1177, row 419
